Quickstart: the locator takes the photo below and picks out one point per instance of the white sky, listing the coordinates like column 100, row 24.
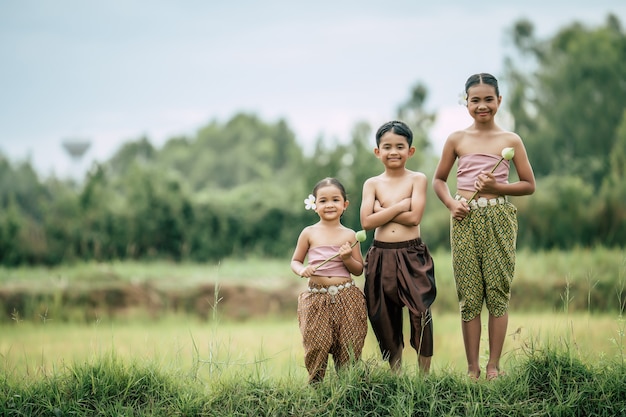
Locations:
column 111, row 71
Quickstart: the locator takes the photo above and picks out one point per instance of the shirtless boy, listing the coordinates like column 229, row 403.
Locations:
column 399, row 270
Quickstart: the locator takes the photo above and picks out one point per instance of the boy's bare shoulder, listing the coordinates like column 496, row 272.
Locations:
column 415, row 175
column 373, row 180
column 384, row 178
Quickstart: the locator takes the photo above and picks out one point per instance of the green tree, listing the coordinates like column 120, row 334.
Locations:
column 62, row 223
column 560, row 214
column 243, row 150
column 102, row 222
column 611, row 223
column 568, row 104
column 158, row 213
column 132, row 153
column 415, row 115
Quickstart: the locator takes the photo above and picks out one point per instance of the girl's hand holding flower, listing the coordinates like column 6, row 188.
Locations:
column 485, row 181
column 345, row 251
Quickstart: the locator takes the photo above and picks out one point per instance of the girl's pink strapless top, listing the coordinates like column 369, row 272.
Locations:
column 333, row 268
column 472, row 164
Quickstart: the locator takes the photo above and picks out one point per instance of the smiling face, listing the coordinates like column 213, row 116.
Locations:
column 393, row 150
column 330, row 202
column 482, row 102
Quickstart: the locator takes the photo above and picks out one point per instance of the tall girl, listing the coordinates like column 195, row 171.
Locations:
column 332, row 314
column 483, row 228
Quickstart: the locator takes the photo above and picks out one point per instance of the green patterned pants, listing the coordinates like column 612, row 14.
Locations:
column 483, row 259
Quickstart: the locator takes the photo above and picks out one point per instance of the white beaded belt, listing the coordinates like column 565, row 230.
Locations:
column 331, row 290
column 482, row 201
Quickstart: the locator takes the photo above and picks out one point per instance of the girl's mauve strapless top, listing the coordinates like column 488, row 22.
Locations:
column 333, row 268
column 472, row 164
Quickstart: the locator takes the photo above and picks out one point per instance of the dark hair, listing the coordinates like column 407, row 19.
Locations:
column 330, row 181
column 482, row 78
column 397, row 127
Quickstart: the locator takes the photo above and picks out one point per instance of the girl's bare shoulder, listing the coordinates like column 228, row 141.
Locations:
column 511, row 138
column 347, row 231
column 456, row 136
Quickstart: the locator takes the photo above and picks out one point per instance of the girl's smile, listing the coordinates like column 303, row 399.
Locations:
column 482, row 101
column 330, row 202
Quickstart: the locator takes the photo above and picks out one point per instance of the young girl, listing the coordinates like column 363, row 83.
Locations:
column 331, row 313
column 484, row 228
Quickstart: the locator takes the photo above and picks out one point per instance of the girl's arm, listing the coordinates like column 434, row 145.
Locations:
column 352, row 258
column 458, row 209
column 297, row 260
column 526, row 184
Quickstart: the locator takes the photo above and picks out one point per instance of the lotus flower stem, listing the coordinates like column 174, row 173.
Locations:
column 333, row 257
column 494, row 168
column 508, row 154
column 360, row 237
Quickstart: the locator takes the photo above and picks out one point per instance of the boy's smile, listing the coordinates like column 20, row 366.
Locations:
column 393, row 150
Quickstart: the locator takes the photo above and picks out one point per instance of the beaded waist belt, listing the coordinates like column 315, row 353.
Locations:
column 482, row 201
column 331, row 290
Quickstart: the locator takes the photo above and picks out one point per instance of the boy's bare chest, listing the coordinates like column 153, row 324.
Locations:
column 390, row 192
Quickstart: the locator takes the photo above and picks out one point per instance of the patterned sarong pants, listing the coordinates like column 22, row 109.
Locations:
column 331, row 325
column 483, row 259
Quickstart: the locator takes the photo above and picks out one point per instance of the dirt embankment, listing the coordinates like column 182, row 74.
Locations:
column 89, row 303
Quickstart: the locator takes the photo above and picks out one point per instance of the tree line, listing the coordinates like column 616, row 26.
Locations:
column 236, row 188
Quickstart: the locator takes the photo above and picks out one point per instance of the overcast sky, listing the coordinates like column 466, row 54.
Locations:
column 113, row 71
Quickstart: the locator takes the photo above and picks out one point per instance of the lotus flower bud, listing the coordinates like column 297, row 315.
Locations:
column 361, row 235
column 508, row 153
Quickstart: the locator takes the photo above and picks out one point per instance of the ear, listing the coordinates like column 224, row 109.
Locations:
column 345, row 205
column 411, row 151
column 377, row 152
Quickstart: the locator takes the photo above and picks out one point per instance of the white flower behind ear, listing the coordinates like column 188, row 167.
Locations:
column 463, row 99
column 309, row 203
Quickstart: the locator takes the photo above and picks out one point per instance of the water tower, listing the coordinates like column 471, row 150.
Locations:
column 76, row 149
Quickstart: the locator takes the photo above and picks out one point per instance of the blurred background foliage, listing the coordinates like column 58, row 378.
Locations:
column 237, row 188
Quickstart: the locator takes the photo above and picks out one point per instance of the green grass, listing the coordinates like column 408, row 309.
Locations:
column 251, row 271
column 273, row 347
column 541, row 382
column 563, row 359
column 580, row 265
column 557, row 364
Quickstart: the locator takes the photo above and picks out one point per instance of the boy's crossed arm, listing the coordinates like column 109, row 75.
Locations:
column 407, row 212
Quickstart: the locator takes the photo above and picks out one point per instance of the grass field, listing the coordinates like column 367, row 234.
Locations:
column 41, row 344
column 273, row 347
column 564, row 355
